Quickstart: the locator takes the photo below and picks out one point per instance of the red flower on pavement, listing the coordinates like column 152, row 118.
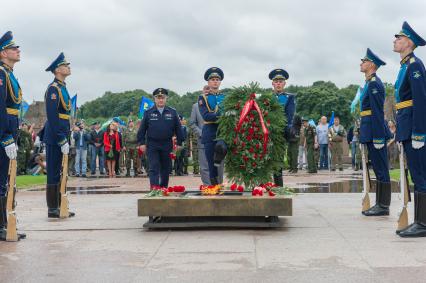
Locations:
column 240, row 188
column 233, row 187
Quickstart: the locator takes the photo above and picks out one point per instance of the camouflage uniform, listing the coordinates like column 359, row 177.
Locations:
column 194, row 152
column 336, row 138
column 24, row 150
column 130, row 140
column 310, row 133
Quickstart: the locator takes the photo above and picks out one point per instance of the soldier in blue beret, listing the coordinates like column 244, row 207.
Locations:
column 10, row 102
column 56, row 131
column 210, row 106
column 410, row 96
column 374, row 131
column 279, row 78
column 159, row 124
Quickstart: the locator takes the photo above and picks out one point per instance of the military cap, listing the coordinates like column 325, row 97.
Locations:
column 213, row 72
column 95, row 123
column 160, row 91
column 6, row 41
column 278, row 74
column 58, row 62
column 370, row 56
column 411, row 34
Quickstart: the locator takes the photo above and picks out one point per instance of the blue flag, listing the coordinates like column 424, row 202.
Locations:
column 146, row 103
column 73, row 106
column 23, row 109
column 312, row 123
column 356, row 99
column 331, row 120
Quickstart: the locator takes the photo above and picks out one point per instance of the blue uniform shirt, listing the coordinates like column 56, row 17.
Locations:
column 58, row 107
column 373, row 126
column 288, row 103
column 210, row 106
column 410, row 96
column 10, row 102
column 160, row 127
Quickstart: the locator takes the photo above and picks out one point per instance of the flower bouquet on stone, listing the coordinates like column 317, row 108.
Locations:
column 158, row 191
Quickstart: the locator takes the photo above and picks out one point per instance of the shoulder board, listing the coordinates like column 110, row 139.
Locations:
column 412, row 60
column 170, row 108
column 373, row 79
column 2, row 68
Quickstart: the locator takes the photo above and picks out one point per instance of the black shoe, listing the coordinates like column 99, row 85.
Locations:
column 92, row 173
column 418, row 228
column 102, row 173
column 312, row 171
column 383, row 199
column 333, row 169
column 84, row 176
column 340, row 169
column 77, row 175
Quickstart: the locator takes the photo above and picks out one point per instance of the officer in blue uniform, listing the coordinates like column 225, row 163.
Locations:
column 279, row 78
column 159, row 124
column 211, row 107
column 10, row 102
column 374, row 131
column 56, row 131
column 410, row 96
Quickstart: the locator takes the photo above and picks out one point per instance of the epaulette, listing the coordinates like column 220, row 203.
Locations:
column 373, row 79
column 412, row 60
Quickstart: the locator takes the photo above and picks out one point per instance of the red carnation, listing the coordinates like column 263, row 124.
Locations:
column 257, row 146
column 243, row 144
column 253, row 96
column 240, row 188
column 251, row 150
column 233, row 187
column 254, row 164
column 271, row 193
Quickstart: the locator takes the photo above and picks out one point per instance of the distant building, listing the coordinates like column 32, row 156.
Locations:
column 36, row 114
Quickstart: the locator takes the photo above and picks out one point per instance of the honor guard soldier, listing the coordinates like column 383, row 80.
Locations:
column 56, row 131
column 279, row 78
column 410, row 96
column 210, row 106
column 159, row 124
column 374, row 131
column 10, row 102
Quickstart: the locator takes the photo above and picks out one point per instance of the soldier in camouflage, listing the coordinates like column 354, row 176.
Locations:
column 130, row 140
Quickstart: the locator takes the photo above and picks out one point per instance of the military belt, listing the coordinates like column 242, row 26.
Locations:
column 12, row 111
column 365, row 113
column 404, row 104
column 210, row 122
column 64, row 116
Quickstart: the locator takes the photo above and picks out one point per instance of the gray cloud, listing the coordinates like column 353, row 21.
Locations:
column 122, row 45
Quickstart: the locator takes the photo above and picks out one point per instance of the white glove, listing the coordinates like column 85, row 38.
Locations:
column 37, row 142
column 379, row 145
column 11, row 151
column 417, row 144
column 65, row 148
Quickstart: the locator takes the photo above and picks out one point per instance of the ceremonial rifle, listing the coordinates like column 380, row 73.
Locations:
column 64, row 210
column 11, row 233
column 405, row 191
column 365, row 180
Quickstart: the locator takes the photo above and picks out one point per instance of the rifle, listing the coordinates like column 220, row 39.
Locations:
column 365, row 181
column 64, row 210
column 405, row 193
column 11, row 233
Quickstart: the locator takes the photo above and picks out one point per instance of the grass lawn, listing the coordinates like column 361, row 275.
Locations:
column 394, row 175
column 26, row 181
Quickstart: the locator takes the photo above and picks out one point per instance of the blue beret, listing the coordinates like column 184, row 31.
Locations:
column 370, row 56
column 58, row 62
column 213, row 72
column 411, row 34
column 160, row 91
column 278, row 74
column 6, row 41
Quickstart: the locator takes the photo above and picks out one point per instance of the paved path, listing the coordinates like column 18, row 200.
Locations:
column 327, row 240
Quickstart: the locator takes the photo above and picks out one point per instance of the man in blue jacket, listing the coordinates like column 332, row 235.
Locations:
column 10, row 102
column 82, row 139
column 56, row 131
column 410, row 96
column 279, row 78
column 374, row 131
column 159, row 124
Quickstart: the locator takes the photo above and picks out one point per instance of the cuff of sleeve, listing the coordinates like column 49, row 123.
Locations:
column 62, row 142
column 418, row 137
column 7, row 141
column 379, row 141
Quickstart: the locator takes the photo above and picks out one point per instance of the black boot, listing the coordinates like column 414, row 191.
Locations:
column 71, row 214
column 214, row 181
column 278, row 179
column 52, row 199
column 3, row 218
column 418, row 228
column 383, row 199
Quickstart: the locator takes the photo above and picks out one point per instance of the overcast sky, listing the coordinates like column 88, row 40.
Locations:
column 129, row 44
